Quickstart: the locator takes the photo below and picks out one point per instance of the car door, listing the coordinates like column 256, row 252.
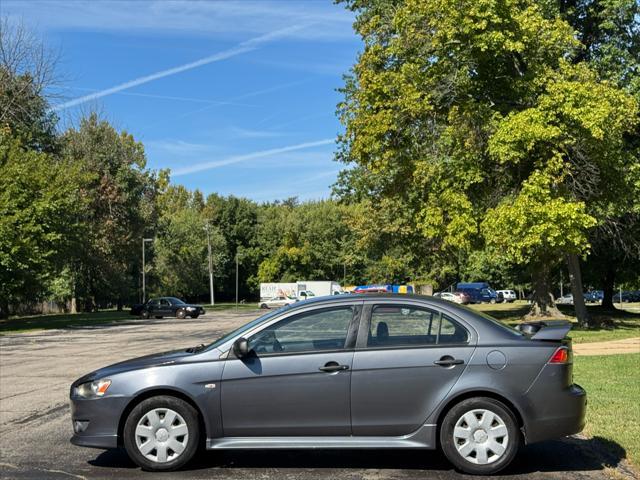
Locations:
column 408, row 357
column 165, row 308
column 296, row 380
column 152, row 306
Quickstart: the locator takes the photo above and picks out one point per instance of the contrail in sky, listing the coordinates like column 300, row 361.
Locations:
column 199, row 167
column 246, row 46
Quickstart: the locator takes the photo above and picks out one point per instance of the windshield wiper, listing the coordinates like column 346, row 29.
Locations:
column 196, row 349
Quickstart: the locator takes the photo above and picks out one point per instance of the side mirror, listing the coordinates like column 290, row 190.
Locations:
column 241, row 347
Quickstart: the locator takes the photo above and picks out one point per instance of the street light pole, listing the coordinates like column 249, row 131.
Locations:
column 144, row 273
column 210, row 266
column 236, row 280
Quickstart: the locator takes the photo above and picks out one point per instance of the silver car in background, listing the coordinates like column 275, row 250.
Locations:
column 374, row 371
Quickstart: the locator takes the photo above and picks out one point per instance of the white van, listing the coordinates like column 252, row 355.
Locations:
column 508, row 295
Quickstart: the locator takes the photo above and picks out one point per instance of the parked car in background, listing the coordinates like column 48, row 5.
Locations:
column 508, row 295
column 479, row 292
column 566, row 299
column 277, row 302
column 455, row 297
column 344, row 371
column 170, row 307
column 593, row 296
column 627, row 297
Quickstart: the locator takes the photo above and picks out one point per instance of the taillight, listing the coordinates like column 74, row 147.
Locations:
column 561, row 355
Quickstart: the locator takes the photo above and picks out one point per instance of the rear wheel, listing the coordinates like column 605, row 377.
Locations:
column 162, row 433
column 480, row 436
column 144, row 314
column 264, row 306
column 181, row 314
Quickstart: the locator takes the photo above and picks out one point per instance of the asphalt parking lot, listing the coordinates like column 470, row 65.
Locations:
column 36, row 370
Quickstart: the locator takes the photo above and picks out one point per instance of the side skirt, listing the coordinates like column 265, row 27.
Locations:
column 424, row 437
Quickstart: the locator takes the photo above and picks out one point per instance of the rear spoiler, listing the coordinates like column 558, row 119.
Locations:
column 547, row 330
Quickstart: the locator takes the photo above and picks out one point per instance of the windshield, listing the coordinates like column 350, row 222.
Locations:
column 247, row 326
column 176, row 301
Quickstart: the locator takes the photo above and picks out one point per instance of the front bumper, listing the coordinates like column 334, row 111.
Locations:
column 95, row 421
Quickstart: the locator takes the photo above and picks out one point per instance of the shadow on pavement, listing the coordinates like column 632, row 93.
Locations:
column 567, row 455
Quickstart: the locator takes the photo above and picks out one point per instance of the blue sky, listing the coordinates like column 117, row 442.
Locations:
column 235, row 97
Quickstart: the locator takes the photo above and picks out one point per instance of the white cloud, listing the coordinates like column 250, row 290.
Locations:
column 231, row 19
column 243, row 47
column 199, row 167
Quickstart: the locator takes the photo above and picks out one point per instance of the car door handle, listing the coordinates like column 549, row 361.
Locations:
column 448, row 361
column 333, row 367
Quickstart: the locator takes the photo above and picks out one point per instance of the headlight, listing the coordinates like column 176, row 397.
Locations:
column 191, row 308
column 93, row 389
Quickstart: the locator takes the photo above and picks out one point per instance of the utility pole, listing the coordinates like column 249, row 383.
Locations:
column 210, row 265
column 561, row 292
column 236, row 280
column 144, row 273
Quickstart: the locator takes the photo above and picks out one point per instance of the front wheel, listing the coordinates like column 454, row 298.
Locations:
column 480, row 436
column 162, row 433
column 264, row 306
column 181, row 314
column 492, row 301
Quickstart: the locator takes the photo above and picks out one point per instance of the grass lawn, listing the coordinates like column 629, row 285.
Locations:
column 612, row 383
column 617, row 325
column 47, row 322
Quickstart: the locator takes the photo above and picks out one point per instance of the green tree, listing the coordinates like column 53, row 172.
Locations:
column 39, row 203
column 180, row 253
column 121, row 208
column 468, row 114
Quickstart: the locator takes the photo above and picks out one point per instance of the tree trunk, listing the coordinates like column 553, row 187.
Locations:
column 74, row 305
column 608, row 283
column 542, row 304
column 573, row 263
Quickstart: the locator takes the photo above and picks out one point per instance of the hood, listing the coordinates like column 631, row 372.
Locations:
column 147, row 361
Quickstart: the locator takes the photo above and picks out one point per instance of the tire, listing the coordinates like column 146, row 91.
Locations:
column 158, row 316
column 471, row 459
column 492, row 301
column 185, row 419
column 264, row 306
column 181, row 314
column 144, row 314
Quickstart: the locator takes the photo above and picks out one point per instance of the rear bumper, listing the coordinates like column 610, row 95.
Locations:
column 557, row 416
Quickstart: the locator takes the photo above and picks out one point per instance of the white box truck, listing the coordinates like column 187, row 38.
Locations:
column 319, row 288
column 271, row 290
column 300, row 290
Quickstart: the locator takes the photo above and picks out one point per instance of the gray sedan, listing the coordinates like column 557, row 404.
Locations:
column 375, row 371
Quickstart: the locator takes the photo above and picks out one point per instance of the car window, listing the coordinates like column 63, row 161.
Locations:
column 164, row 303
column 310, row 331
column 408, row 325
